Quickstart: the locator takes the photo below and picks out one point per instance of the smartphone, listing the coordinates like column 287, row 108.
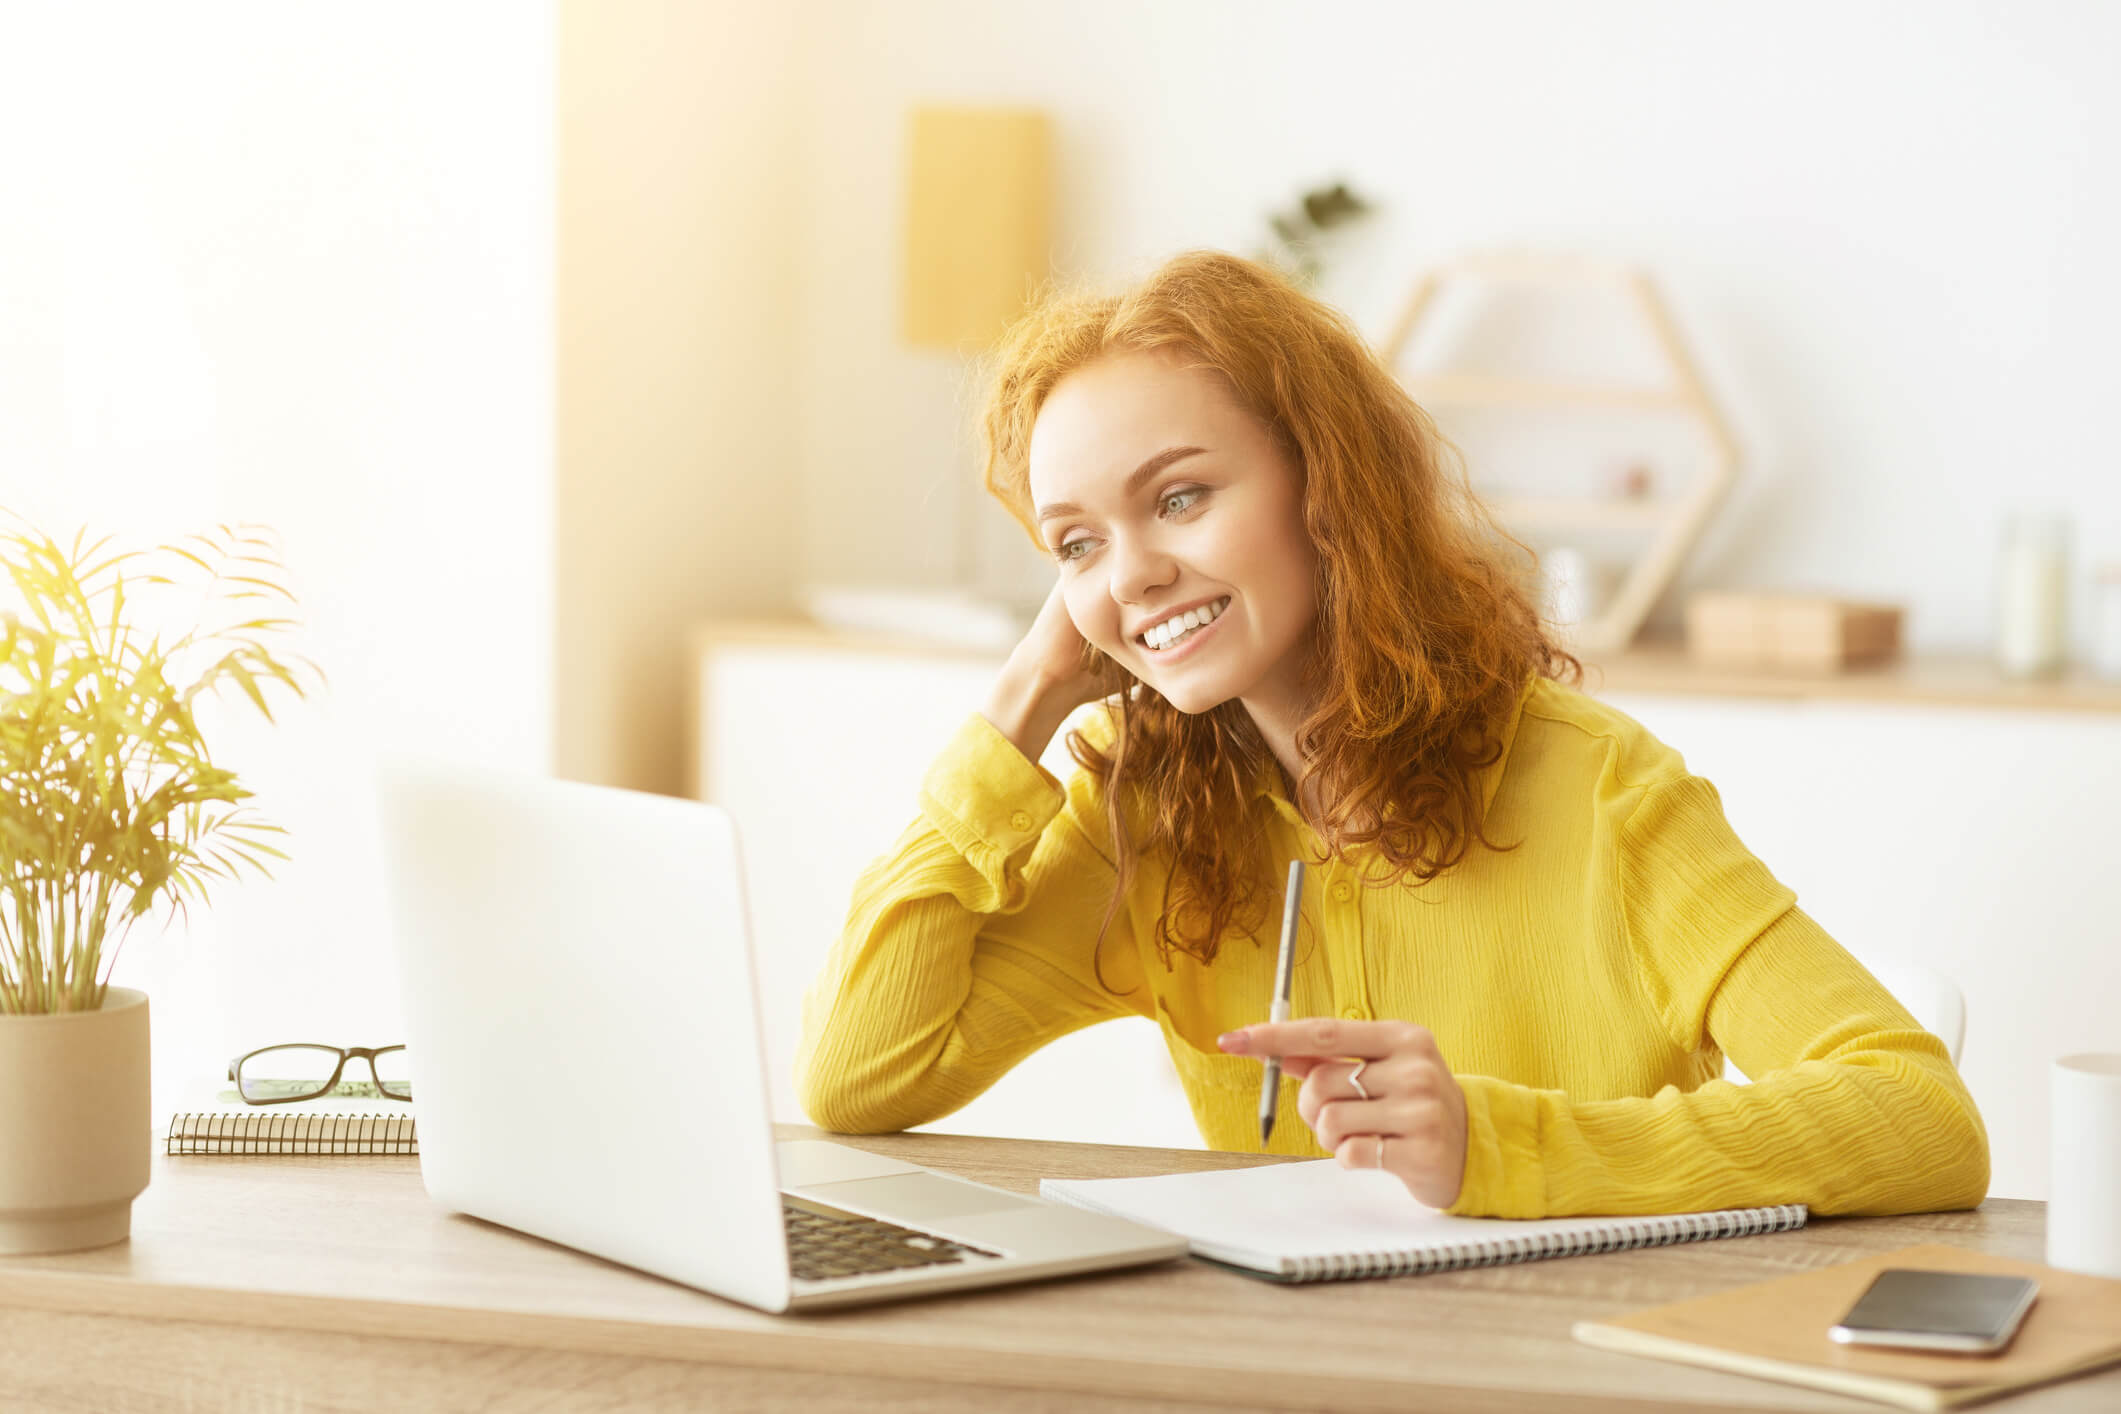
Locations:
column 1958, row 1311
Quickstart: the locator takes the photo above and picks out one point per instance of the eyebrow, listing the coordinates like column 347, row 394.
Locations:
column 1135, row 481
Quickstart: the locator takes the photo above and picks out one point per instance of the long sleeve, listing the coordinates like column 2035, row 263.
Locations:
column 1854, row 1109
column 970, row 946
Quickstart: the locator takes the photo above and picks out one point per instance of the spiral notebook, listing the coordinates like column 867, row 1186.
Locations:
column 1316, row 1221
column 343, row 1122
column 265, row 1131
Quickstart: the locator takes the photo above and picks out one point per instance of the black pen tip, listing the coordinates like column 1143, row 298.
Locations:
column 1266, row 1130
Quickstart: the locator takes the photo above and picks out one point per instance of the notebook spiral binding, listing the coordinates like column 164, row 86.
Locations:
column 270, row 1133
column 1657, row 1232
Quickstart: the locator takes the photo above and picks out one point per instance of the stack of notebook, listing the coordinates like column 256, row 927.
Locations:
column 218, row 1122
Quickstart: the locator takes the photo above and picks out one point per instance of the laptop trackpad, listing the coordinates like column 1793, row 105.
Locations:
column 914, row 1197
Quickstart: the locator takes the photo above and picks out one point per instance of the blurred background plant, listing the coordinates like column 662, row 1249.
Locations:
column 1303, row 235
column 107, row 780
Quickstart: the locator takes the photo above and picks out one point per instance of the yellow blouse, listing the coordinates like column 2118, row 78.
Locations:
column 1584, row 987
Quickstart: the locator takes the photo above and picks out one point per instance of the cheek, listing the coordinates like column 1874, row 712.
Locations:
column 1300, row 571
column 1092, row 612
column 1284, row 565
column 1300, row 584
column 1292, row 590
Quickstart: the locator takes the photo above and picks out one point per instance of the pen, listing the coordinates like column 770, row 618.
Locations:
column 1270, row 1079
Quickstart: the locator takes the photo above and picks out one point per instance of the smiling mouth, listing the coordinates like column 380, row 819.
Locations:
column 1176, row 632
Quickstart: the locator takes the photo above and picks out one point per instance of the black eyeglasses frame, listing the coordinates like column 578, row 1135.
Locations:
column 345, row 1053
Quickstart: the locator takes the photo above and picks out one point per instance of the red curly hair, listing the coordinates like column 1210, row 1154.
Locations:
column 1425, row 637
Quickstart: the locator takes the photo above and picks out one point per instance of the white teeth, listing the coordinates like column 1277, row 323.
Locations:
column 1162, row 635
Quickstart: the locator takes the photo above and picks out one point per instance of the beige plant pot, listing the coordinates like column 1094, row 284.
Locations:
column 76, row 1134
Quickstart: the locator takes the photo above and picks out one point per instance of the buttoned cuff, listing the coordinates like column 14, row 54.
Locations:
column 1504, row 1177
column 985, row 796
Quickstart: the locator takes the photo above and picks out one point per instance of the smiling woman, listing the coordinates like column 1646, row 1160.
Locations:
column 1216, row 434
column 1534, row 938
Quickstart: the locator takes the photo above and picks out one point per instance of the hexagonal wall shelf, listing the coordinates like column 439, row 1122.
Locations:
column 1674, row 524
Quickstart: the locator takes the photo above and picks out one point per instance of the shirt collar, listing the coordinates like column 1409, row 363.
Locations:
column 1491, row 774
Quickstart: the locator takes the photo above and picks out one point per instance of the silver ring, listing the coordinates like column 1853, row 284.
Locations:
column 1380, row 1151
column 1355, row 1079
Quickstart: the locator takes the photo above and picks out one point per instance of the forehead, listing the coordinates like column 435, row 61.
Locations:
column 1106, row 418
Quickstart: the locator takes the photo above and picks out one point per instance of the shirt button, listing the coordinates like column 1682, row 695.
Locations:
column 1020, row 822
column 1352, row 1013
column 1343, row 891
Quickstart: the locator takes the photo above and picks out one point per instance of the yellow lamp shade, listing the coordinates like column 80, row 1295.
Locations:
column 978, row 217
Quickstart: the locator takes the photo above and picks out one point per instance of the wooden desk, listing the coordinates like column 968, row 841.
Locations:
column 290, row 1284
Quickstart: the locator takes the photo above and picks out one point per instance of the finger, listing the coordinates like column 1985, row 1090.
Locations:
column 1301, row 1067
column 1312, row 1097
column 1304, row 1067
column 1328, row 1080
column 1365, row 1151
column 1324, row 1036
column 1341, row 1119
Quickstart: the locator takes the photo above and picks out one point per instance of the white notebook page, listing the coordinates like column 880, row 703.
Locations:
column 1258, row 1217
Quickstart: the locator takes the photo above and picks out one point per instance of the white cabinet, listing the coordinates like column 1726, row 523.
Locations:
column 1985, row 843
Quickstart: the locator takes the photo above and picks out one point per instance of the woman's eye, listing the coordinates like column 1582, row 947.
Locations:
column 1172, row 503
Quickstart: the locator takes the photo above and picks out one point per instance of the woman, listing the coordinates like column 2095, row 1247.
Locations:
column 1529, row 938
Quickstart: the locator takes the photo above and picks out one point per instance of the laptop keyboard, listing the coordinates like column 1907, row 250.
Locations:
column 825, row 1242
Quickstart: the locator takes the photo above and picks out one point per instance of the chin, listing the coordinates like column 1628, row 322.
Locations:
column 1193, row 700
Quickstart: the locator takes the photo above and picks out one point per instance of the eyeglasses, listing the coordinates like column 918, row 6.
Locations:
column 274, row 1075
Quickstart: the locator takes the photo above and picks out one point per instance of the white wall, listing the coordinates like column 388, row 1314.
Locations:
column 293, row 264
column 1886, row 229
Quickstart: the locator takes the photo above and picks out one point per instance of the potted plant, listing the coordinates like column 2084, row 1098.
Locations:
column 111, row 805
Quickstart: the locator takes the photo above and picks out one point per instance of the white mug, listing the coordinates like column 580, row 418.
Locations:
column 2084, row 1184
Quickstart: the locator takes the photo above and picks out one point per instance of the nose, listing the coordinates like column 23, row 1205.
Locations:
column 1138, row 566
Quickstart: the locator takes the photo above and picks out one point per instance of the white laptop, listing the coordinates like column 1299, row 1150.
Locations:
column 586, row 1061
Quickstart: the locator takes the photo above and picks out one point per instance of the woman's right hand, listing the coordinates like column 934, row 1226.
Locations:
column 1049, row 674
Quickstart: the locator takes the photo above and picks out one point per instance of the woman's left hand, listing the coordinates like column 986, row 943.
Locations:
column 1413, row 1121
